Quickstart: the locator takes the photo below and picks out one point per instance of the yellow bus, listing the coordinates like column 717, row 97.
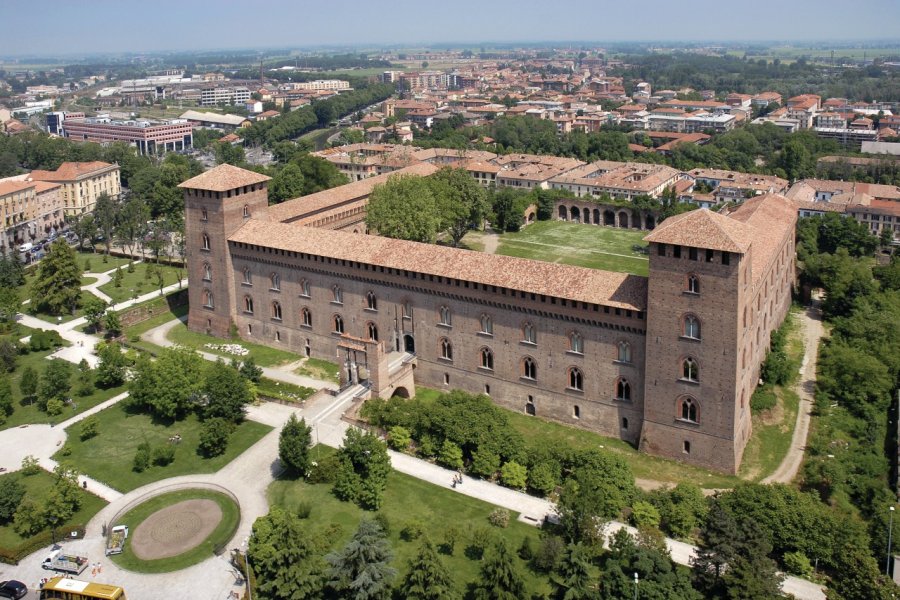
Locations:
column 64, row 588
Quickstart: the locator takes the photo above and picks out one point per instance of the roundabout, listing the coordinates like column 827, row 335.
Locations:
column 177, row 529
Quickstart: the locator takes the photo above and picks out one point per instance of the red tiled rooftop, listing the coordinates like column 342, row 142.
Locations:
column 223, row 178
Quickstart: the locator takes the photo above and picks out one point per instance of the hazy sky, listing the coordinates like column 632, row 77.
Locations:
column 80, row 26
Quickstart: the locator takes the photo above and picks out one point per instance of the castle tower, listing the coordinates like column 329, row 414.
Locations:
column 696, row 407
column 217, row 203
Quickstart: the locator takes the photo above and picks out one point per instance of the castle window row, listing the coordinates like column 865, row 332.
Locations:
column 693, row 253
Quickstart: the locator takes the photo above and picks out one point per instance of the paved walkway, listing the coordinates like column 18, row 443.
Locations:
column 813, row 330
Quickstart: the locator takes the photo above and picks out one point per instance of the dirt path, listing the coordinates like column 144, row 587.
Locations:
column 813, row 330
column 491, row 241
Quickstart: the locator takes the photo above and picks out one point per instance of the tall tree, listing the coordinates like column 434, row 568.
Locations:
column 168, row 386
column 225, row 392
column 361, row 570
column 287, row 183
column 106, row 214
column 462, row 203
column 55, row 382
column 404, row 208
column 427, row 578
column 85, row 229
column 132, row 223
column 573, row 579
column 363, row 469
column 293, row 445
column 57, row 287
column 500, row 576
column 286, row 558
column 28, row 384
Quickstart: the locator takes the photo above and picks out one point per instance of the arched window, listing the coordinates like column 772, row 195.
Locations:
column 528, row 334
column 248, row 305
column 246, row 211
column 689, row 370
column 576, row 379
column 304, row 288
column 371, row 301
column 487, row 359
column 693, row 284
column 487, row 325
column 372, row 331
column 207, row 272
column 445, row 316
column 688, row 410
column 306, row 317
column 207, row 299
column 337, row 294
column 407, row 309
column 204, row 241
column 446, row 349
column 624, row 354
column 691, row 327
column 576, row 343
column 529, row 368
column 275, row 281
column 623, row 390
column 276, row 310
column 247, row 276
column 338, row 322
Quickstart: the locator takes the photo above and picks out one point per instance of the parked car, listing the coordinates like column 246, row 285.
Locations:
column 26, row 247
column 13, row 589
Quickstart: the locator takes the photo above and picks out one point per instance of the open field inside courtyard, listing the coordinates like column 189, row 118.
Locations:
column 411, row 501
column 108, row 457
column 590, row 246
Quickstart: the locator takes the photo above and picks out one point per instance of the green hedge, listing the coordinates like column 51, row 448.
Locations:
column 12, row 556
column 281, row 391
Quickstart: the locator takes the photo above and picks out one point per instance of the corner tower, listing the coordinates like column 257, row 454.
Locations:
column 217, row 203
column 694, row 409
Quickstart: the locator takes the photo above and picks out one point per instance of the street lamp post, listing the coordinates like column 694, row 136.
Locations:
column 635, row 585
column 887, row 562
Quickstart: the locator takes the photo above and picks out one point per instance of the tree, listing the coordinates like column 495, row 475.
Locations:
column 132, row 223
column 214, row 434
column 167, row 387
column 658, row 576
column 287, row 183
column 9, row 304
column 361, row 570
column 112, row 324
column 514, row 475
column 293, row 445
column 55, row 382
column 112, row 365
column 6, row 398
column 404, row 208
column 105, row 216
column 461, row 202
column 8, row 355
column 485, row 463
column 599, row 487
column 573, row 579
column 286, row 557
column 427, row 578
column 94, row 311
column 11, row 494
column 500, row 577
column 250, row 371
column 28, row 384
column 85, row 229
column 57, row 287
column 363, row 469
column 450, row 455
column 225, row 393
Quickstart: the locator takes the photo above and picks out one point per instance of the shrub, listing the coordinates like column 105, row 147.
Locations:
column 763, row 399
column 399, row 438
column 87, row 265
column 55, row 407
column 141, row 458
column 796, row 563
column 451, row 455
column 499, row 517
column 485, row 463
column 11, row 494
column 130, row 268
column 163, row 455
column 66, row 450
column 644, row 514
column 479, row 539
column 549, row 553
column 303, row 510
column 427, row 446
column 30, row 466
column 412, row 531
column 526, row 550
column 42, row 340
column 514, row 475
column 214, row 436
column 324, row 470
column 451, row 536
column 776, row 368
column 383, row 522
column 544, row 477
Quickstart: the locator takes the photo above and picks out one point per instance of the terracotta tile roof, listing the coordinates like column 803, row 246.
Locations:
column 702, row 229
column 620, row 290
column 45, row 186
column 770, row 220
column 223, row 178
column 9, row 187
column 70, row 171
column 298, row 208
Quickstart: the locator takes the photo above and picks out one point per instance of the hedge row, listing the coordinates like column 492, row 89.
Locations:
column 12, row 556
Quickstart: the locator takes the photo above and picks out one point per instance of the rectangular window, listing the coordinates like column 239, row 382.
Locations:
column 726, row 258
column 676, row 251
column 661, row 249
column 692, row 253
column 709, row 255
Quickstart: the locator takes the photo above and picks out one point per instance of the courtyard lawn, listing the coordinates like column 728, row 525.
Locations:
column 263, row 355
column 409, row 500
column 590, row 246
column 37, row 487
column 319, row 369
column 108, row 457
column 231, row 516
column 137, row 283
column 95, row 260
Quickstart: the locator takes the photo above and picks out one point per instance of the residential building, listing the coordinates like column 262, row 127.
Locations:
column 82, row 183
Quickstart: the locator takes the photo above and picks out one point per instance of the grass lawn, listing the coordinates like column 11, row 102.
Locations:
column 773, row 429
column 589, row 246
column 231, row 516
column 87, row 280
column 37, row 487
column 138, row 283
column 161, row 316
column 109, row 455
column 97, row 264
column 537, row 432
column 409, row 500
column 263, row 355
column 319, row 369
column 473, row 240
